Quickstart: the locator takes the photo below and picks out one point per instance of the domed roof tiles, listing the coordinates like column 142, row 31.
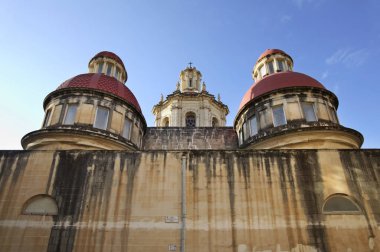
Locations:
column 278, row 81
column 109, row 55
column 270, row 52
column 103, row 83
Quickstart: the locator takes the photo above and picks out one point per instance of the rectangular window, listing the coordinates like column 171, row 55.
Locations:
column 253, row 125
column 270, row 67
column 117, row 73
column 245, row 131
column 109, row 69
column 71, row 112
column 308, row 111
column 278, row 116
column 263, row 71
column 100, row 67
column 334, row 116
column 240, row 136
column 127, row 128
column 101, row 119
column 47, row 118
column 280, row 65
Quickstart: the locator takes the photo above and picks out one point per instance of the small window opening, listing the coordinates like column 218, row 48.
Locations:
column 109, row 69
column 263, row 71
column 71, row 112
column 127, row 128
column 47, row 118
column 100, row 67
column 165, row 122
column 245, row 131
column 308, row 111
column 340, row 204
column 117, row 73
column 41, row 205
column 270, row 67
column 278, row 116
column 253, row 125
column 280, row 65
column 241, row 136
column 214, row 122
column 190, row 120
column 101, row 118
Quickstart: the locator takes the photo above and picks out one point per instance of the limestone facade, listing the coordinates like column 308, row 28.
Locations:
column 273, row 200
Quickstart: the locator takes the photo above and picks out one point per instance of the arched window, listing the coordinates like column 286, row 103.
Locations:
column 214, row 122
column 40, row 205
column 165, row 122
column 190, row 119
column 340, row 204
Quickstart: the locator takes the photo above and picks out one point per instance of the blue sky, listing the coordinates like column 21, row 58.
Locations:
column 44, row 43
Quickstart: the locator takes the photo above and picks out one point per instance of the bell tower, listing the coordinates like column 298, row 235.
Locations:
column 190, row 79
column 190, row 105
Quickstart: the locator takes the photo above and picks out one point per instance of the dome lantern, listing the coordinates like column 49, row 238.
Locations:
column 109, row 64
column 271, row 61
column 190, row 79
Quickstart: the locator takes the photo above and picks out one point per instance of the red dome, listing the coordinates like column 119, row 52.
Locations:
column 272, row 51
column 278, row 81
column 103, row 83
column 109, row 55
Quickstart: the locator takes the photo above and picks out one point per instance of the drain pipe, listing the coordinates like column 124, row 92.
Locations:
column 183, row 203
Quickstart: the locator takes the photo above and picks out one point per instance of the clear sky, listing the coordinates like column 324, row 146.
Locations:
column 44, row 43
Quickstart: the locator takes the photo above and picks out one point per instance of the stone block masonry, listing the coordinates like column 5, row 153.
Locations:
column 236, row 201
column 200, row 138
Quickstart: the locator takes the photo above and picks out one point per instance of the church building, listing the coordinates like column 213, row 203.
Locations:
column 287, row 176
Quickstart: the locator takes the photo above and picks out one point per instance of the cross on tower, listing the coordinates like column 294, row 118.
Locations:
column 190, row 63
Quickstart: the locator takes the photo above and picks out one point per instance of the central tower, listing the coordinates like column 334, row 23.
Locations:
column 190, row 105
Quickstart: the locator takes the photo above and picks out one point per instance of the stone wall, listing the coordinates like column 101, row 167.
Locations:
column 235, row 200
column 178, row 138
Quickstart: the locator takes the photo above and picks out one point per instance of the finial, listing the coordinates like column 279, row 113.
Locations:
column 190, row 63
column 204, row 86
column 218, row 97
column 162, row 98
column 177, row 88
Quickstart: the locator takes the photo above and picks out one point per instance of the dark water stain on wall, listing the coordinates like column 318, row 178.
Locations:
column 68, row 190
column 20, row 166
column 13, row 166
column 9, row 158
column 98, row 192
column 308, row 174
column 243, row 167
column 283, row 160
column 133, row 161
column 361, row 183
column 231, row 185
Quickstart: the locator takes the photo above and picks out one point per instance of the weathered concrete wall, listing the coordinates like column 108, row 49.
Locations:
column 235, row 200
column 181, row 138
